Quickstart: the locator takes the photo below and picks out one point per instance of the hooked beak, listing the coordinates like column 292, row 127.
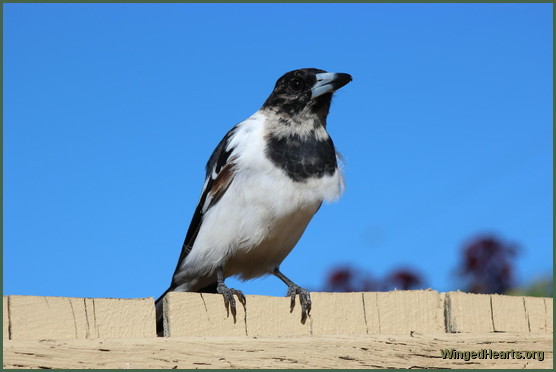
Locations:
column 329, row 82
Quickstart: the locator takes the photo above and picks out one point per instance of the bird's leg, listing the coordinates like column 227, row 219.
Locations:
column 228, row 293
column 293, row 289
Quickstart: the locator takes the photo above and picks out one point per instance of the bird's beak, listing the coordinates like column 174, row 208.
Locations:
column 329, row 82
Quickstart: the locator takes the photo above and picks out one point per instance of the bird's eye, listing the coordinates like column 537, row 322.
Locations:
column 296, row 85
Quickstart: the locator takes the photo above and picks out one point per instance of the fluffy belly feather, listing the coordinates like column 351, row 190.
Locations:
column 283, row 234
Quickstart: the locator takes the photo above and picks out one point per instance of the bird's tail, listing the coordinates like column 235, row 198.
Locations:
column 159, row 314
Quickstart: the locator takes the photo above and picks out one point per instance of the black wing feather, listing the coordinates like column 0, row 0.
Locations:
column 216, row 162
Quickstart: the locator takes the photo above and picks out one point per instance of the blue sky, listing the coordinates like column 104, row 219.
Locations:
column 111, row 111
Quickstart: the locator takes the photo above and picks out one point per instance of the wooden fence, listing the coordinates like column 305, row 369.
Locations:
column 400, row 329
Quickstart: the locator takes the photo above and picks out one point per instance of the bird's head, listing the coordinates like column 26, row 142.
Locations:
column 307, row 90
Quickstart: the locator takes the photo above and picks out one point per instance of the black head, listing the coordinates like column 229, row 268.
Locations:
column 303, row 89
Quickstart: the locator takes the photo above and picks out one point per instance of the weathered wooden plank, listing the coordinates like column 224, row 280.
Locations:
column 339, row 352
column 467, row 312
column 402, row 312
column 372, row 313
column 193, row 314
column 270, row 316
column 535, row 310
column 34, row 317
column 124, row 318
column 337, row 314
column 508, row 314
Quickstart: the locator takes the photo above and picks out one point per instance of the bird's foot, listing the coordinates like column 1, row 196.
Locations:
column 229, row 300
column 304, row 300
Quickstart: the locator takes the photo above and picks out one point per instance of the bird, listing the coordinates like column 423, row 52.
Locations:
column 264, row 182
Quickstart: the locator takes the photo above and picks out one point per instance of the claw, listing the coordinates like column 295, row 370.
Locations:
column 304, row 301
column 291, row 293
column 229, row 300
column 240, row 296
column 294, row 289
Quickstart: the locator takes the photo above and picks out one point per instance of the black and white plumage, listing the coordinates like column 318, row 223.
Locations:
column 264, row 182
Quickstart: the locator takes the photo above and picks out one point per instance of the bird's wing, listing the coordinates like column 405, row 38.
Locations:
column 220, row 170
